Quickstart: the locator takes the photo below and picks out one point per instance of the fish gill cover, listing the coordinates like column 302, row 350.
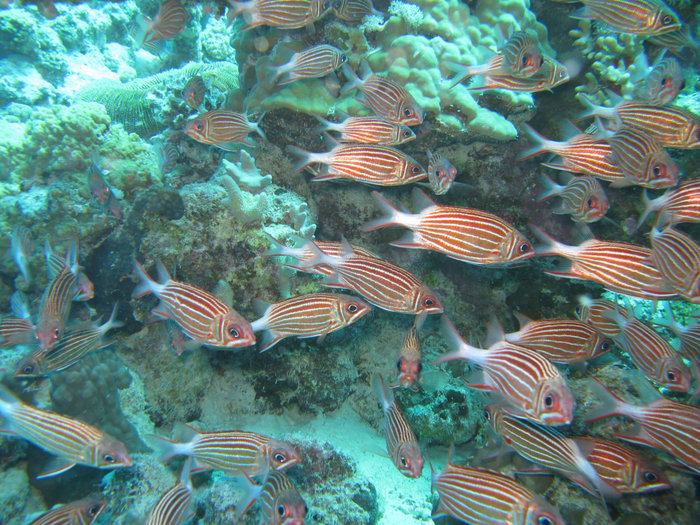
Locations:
column 265, row 261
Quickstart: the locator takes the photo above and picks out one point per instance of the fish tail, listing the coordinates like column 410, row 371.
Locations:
column 610, row 404
column 607, row 492
column 8, row 403
column 391, row 215
column 184, row 439
column 327, row 125
column 236, row 9
column 306, row 158
column 591, row 109
column 651, row 205
column 252, row 493
column 542, row 144
column 354, row 82
column 278, row 249
column 255, row 126
column 669, row 321
column 19, row 305
column 112, row 321
column 165, row 447
column 549, row 245
column 461, row 349
column 551, row 188
column 386, row 397
column 147, row 284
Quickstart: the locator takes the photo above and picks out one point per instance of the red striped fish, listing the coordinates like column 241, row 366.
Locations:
column 681, row 204
column 464, row 234
column 663, row 83
column 583, row 153
column 522, row 56
column 222, row 128
column 677, row 256
column 17, row 330
column 193, row 93
column 642, row 159
column 582, row 197
column 279, row 498
column 620, row 267
column 21, row 246
column 529, row 383
column 551, row 75
column 286, row 14
column 368, row 163
column 484, row 497
column 410, row 365
column 73, row 346
column 493, row 67
column 548, row 448
column 201, row 315
column 689, row 336
column 672, row 126
column 309, row 315
column 640, row 17
column 315, row 62
column 382, row 283
column 72, row 441
column 441, row 173
column 385, row 97
column 598, row 313
column 679, row 43
column 353, row 10
column 84, row 289
column 55, row 308
column 560, row 340
column 664, row 424
column 622, row 468
column 234, row 452
column 368, row 130
column 173, row 506
column 83, row 512
column 169, row 22
column 651, row 353
column 401, row 442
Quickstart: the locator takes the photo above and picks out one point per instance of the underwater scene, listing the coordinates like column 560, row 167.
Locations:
column 349, row 262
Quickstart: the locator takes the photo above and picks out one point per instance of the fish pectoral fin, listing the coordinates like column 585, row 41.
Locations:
column 268, row 339
column 57, row 466
column 161, row 311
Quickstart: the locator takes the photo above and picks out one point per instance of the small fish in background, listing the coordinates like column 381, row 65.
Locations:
column 677, row 256
column 582, row 197
column 83, row 512
column 639, row 17
column 385, row 97
column 17, row 330
column 314, row 62
column 679, row 43
column 367, row 130
column 74, row 442
column 169, row 22
column 223, row 128
column 664, row 424
column 485, row 497
column 280, row 501
column 194, row 92
column 235, row 452
column 598, row 313
column 173, row 507
column 681, row 204
column 96, row 181
column 168, row 155
column 401, row 442
column 522, row 56
column 84, row 289
column 663, row 83
column 354, row 10
column 286, row 14
column 410, row 364
column 441, row 173
column 21, row 246
column 551, row 74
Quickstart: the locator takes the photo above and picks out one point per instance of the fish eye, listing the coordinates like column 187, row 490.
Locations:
column 682, row 86
column 544, row 520
column 667, row 20
column 429, row 301
column 404, row 463
column 589, row 203
column 281, row 510
column 416, row 169
column 437, row 173
column 352, row 308
column 541, row 61
column 407, row 112
column 109, row 458
column 548, row 401
column 487, row 415
column 234, row 332
column 343, row 58
column 525, row 247
column 199, row 126
column 650, row 477
column 27, row 369
column 407, row 133
column 671, row 376
column 57, row 333
column 659, row 170
column 526, row 60
column 280, row 458
column 605, row 345
column 398, row 365
column 92, row 511
column 420, row 367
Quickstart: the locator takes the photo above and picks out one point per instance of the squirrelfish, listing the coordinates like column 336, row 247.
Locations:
column 387, row 98
column 21, row 246
column 173, row 506
column 286, row 14
column 620, row 267
column 681, row 204
column 99, row 189
column 522, row 56
column 465, row 234
column 169, row 22
column 382, row 283
column 640, row 17
column 222, row 128
column 368, row 163
column 201, row 315
column 72, row 441
column 642, row 159
column 548, row 448
column 672, row 126
column 651, row 353
column 308, row 315
column 84, row 289
column 279, row 498
column 664, row 424
column 194, row 92
column 234, row 452
column 621, row 467
column 83, row 512
column 401, row 442
column 368, row 130
column 677, row 256
column 663, row 84
column 528, row 382
column 485, row 497
column 582, row 197
column 560, row 340
column 73, row 346
column 314, row 62
column 550, row 75
column 19, row 329
column 55, row 308
column 689, row 337
column 441, row 173
column 410, row 365
column 353, row 10
column 599, row 314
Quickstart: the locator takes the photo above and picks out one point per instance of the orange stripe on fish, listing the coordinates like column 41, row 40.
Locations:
column 309, row 315
column 681, row 204
column 55, row 308
column 582, row 197
column 409, row 365
column 173, row 506
column 677, row 256
column 642, row 159
column 169, row 22
column 315, row 62
column 368, row 130
column 353, row 10
column 285, row 14
column 83, row 512
column 465, row 234
column 441, row 173
column 281, row 502
column 640, row 17
column 222, row 128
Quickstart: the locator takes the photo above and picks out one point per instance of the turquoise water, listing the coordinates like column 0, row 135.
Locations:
column 98, row 144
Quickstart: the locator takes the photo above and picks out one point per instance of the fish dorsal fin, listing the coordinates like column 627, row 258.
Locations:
column 421, row 201
column 224, row 292
column 183, row 433
column 163, row 275
column 260, row 307
column 568, row 129
column 346, row 249
column 522, row 319
column 494, row 332
column 18, row 305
